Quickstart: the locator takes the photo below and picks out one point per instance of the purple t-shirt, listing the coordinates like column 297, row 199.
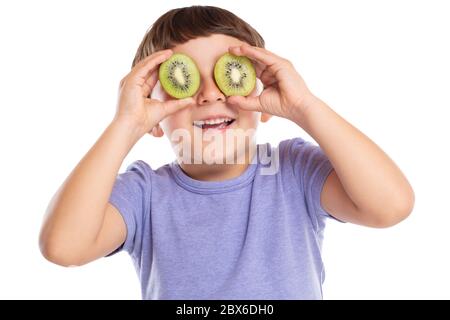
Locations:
column 256, row 236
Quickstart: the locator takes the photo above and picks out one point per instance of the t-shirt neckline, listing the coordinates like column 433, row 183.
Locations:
column 211, row 187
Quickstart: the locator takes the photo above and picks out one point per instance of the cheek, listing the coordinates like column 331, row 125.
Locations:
column 166, row 126
column 178, row 120
column 249, row 119
column 259, row 87
column 158, row 93
column 174, row 121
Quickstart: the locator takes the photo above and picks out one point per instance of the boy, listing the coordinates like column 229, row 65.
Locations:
column 211, row 229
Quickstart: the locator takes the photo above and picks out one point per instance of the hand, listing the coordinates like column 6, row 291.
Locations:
column 285, row 93
column 134, row 105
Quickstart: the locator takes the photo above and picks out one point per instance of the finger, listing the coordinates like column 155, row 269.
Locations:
column 145, row 67
column 258, row 54
column 173, row 106
column 149, row 84
column 121, row 83
column 267, row 78
column 246, row 103
column 259, row 68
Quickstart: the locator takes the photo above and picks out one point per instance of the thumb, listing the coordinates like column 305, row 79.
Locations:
column 173, row 106
column 246, row 103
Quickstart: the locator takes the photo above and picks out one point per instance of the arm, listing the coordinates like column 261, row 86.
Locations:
column 365, row 187
column 80, row 225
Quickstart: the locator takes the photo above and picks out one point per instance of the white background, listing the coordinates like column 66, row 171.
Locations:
column 383, row 65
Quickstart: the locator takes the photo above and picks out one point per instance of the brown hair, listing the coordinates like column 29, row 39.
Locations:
column 180, row 25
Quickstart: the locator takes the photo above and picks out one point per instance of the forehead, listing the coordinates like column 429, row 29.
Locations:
column 206, row 50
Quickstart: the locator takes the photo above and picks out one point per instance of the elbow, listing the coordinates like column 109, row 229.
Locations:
column 52, row 256
column 396, row 212
column 57, row 247
column 54, row 252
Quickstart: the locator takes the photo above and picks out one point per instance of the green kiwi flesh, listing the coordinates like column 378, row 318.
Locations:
column 179, row 76
column 235, row 75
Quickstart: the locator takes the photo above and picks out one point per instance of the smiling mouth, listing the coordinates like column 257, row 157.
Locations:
column 219, row 123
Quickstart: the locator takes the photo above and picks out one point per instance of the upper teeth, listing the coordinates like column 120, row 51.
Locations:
column 211, row 121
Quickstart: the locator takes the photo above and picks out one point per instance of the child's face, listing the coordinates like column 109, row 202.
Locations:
column 210, row 103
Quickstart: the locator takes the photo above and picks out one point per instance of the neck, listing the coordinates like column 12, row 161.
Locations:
column 214, row 172
column 219, row 172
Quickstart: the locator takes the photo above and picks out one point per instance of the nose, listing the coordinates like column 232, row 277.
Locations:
column 209, row 93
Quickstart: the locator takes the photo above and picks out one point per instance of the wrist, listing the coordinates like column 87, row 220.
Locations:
column 301, row 112
column 130, row 130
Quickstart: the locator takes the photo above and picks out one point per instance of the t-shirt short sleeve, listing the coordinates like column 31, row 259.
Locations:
column 311, row 168
column 131, row 195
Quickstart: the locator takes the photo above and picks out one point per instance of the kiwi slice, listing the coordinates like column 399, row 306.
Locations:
column 235, row 75
column 179, row 76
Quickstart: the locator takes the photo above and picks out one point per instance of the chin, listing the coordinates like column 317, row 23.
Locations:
column 214, row 146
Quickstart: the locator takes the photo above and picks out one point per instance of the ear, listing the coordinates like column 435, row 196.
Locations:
column 157, row 131
column 265, row 117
